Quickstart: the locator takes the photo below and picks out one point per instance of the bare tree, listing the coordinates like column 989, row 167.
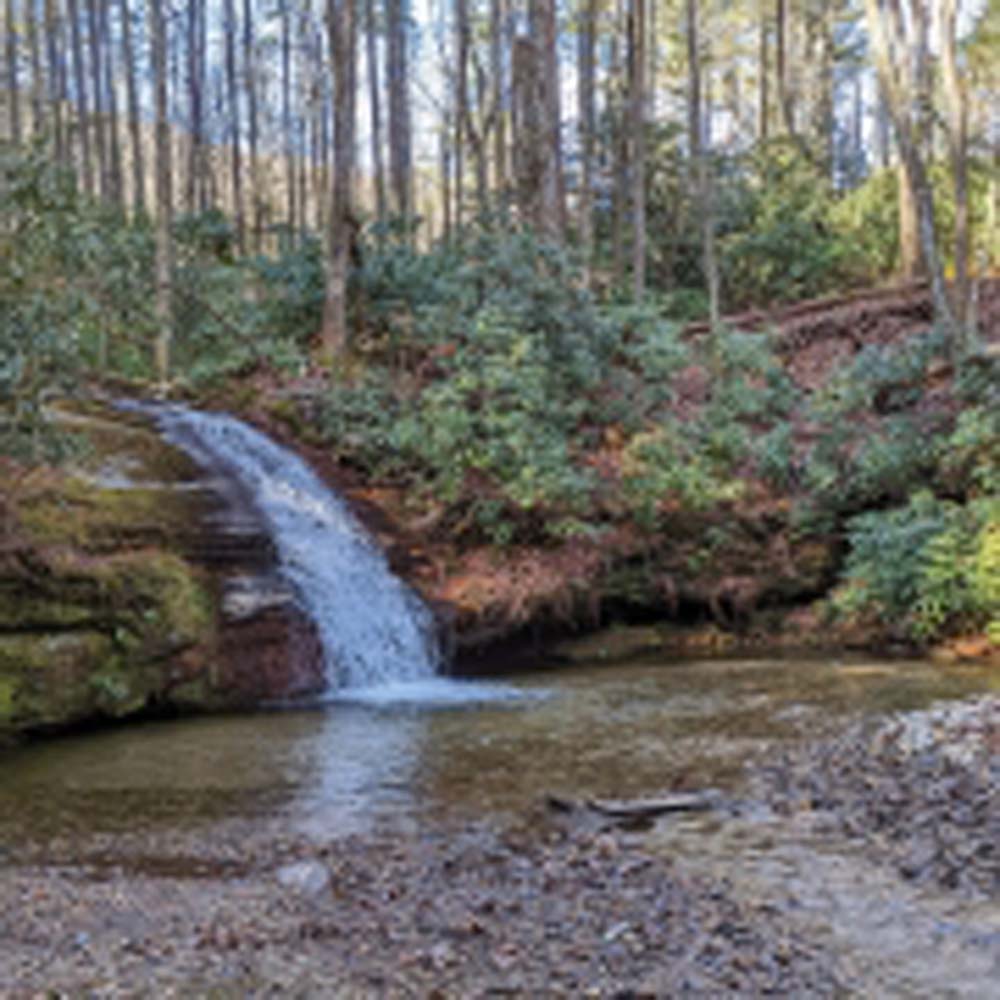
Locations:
column 13, row 83
column 375, row 108
column 637, row 130
column 80, row 97
column 132, row 100
column 343, row 34
column 164, row 193
column 900, row 53
column 97, row 90
column 235, row 119
column 586, row 38
column 957, row 107
column 400, row 126
column 704, row 196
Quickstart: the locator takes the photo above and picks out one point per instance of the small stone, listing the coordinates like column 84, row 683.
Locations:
column 308, row 878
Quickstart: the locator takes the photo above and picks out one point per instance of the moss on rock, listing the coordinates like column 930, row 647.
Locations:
column 96, row 597
column 102, row 658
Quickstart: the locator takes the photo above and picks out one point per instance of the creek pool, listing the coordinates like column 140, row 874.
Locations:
column 465, row 751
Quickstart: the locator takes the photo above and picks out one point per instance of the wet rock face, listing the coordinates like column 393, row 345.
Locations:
column 140, row 583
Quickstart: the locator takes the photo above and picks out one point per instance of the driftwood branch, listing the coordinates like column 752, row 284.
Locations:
column 634, row 809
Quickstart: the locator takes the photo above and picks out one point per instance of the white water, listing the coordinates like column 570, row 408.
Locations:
column 377, row 636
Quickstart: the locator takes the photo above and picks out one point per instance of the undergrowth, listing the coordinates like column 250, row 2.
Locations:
column 518, row 408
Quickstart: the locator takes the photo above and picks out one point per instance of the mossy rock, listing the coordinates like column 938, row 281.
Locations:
column 45, row 679
column 74, row 512
column 146, row 607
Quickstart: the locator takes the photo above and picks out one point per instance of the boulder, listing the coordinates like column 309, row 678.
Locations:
column 135, row 582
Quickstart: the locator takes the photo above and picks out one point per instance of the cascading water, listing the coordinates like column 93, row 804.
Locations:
column 375, row 632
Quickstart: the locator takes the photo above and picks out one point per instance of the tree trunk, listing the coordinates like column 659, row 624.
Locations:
column 164, row 197
column 619, row 148
column 250, row 84
column 400, row 152
column 286, row 116
column 586, row 33
column 637, row 128
column 763, row 73
column 703, row 193
column 194, row 111
column 55, row 42
column 375, row 107
column 444, row 162
column 904, row 85
column 958, row 140
column 37, row 77
column 342, row 28
column 116, row 189
column 825, row 121
column 786, row 100
column 134, row 126
column 497, row 27
column 13, row 83
column 81, row 101
column 235, row 132
column 97, row 88
column 461, row 106
column 542, row 23
column 534, row 164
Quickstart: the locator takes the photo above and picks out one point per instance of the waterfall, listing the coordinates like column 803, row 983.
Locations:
column 375, row 631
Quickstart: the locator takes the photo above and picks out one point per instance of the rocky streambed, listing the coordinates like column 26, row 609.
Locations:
column 464, row 912
column 921, row 791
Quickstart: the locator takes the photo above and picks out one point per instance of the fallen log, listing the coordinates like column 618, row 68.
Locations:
column 642, row 808
column 631, row 809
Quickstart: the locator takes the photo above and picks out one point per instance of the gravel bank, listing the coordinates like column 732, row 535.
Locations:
column 921, row 790
column 471, row 912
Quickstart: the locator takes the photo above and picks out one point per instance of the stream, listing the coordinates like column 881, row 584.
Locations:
column 151, row 799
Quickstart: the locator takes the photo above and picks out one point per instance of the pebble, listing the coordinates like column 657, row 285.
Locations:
column 307, row 878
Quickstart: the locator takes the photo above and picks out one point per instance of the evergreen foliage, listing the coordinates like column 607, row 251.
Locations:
column 520, row 407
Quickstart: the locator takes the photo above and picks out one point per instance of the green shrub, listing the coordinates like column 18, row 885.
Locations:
column 927, row 570
column 73, row 291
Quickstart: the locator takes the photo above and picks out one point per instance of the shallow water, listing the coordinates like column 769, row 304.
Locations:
column 421, row 757
column 452, row 748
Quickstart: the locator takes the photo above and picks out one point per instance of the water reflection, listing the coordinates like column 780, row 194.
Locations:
column 153, row 795
column 631, row 729
column 357, row 767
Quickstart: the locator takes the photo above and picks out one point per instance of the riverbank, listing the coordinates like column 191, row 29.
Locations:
column 465, row 912
column 536, row 902
column 919, row 791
